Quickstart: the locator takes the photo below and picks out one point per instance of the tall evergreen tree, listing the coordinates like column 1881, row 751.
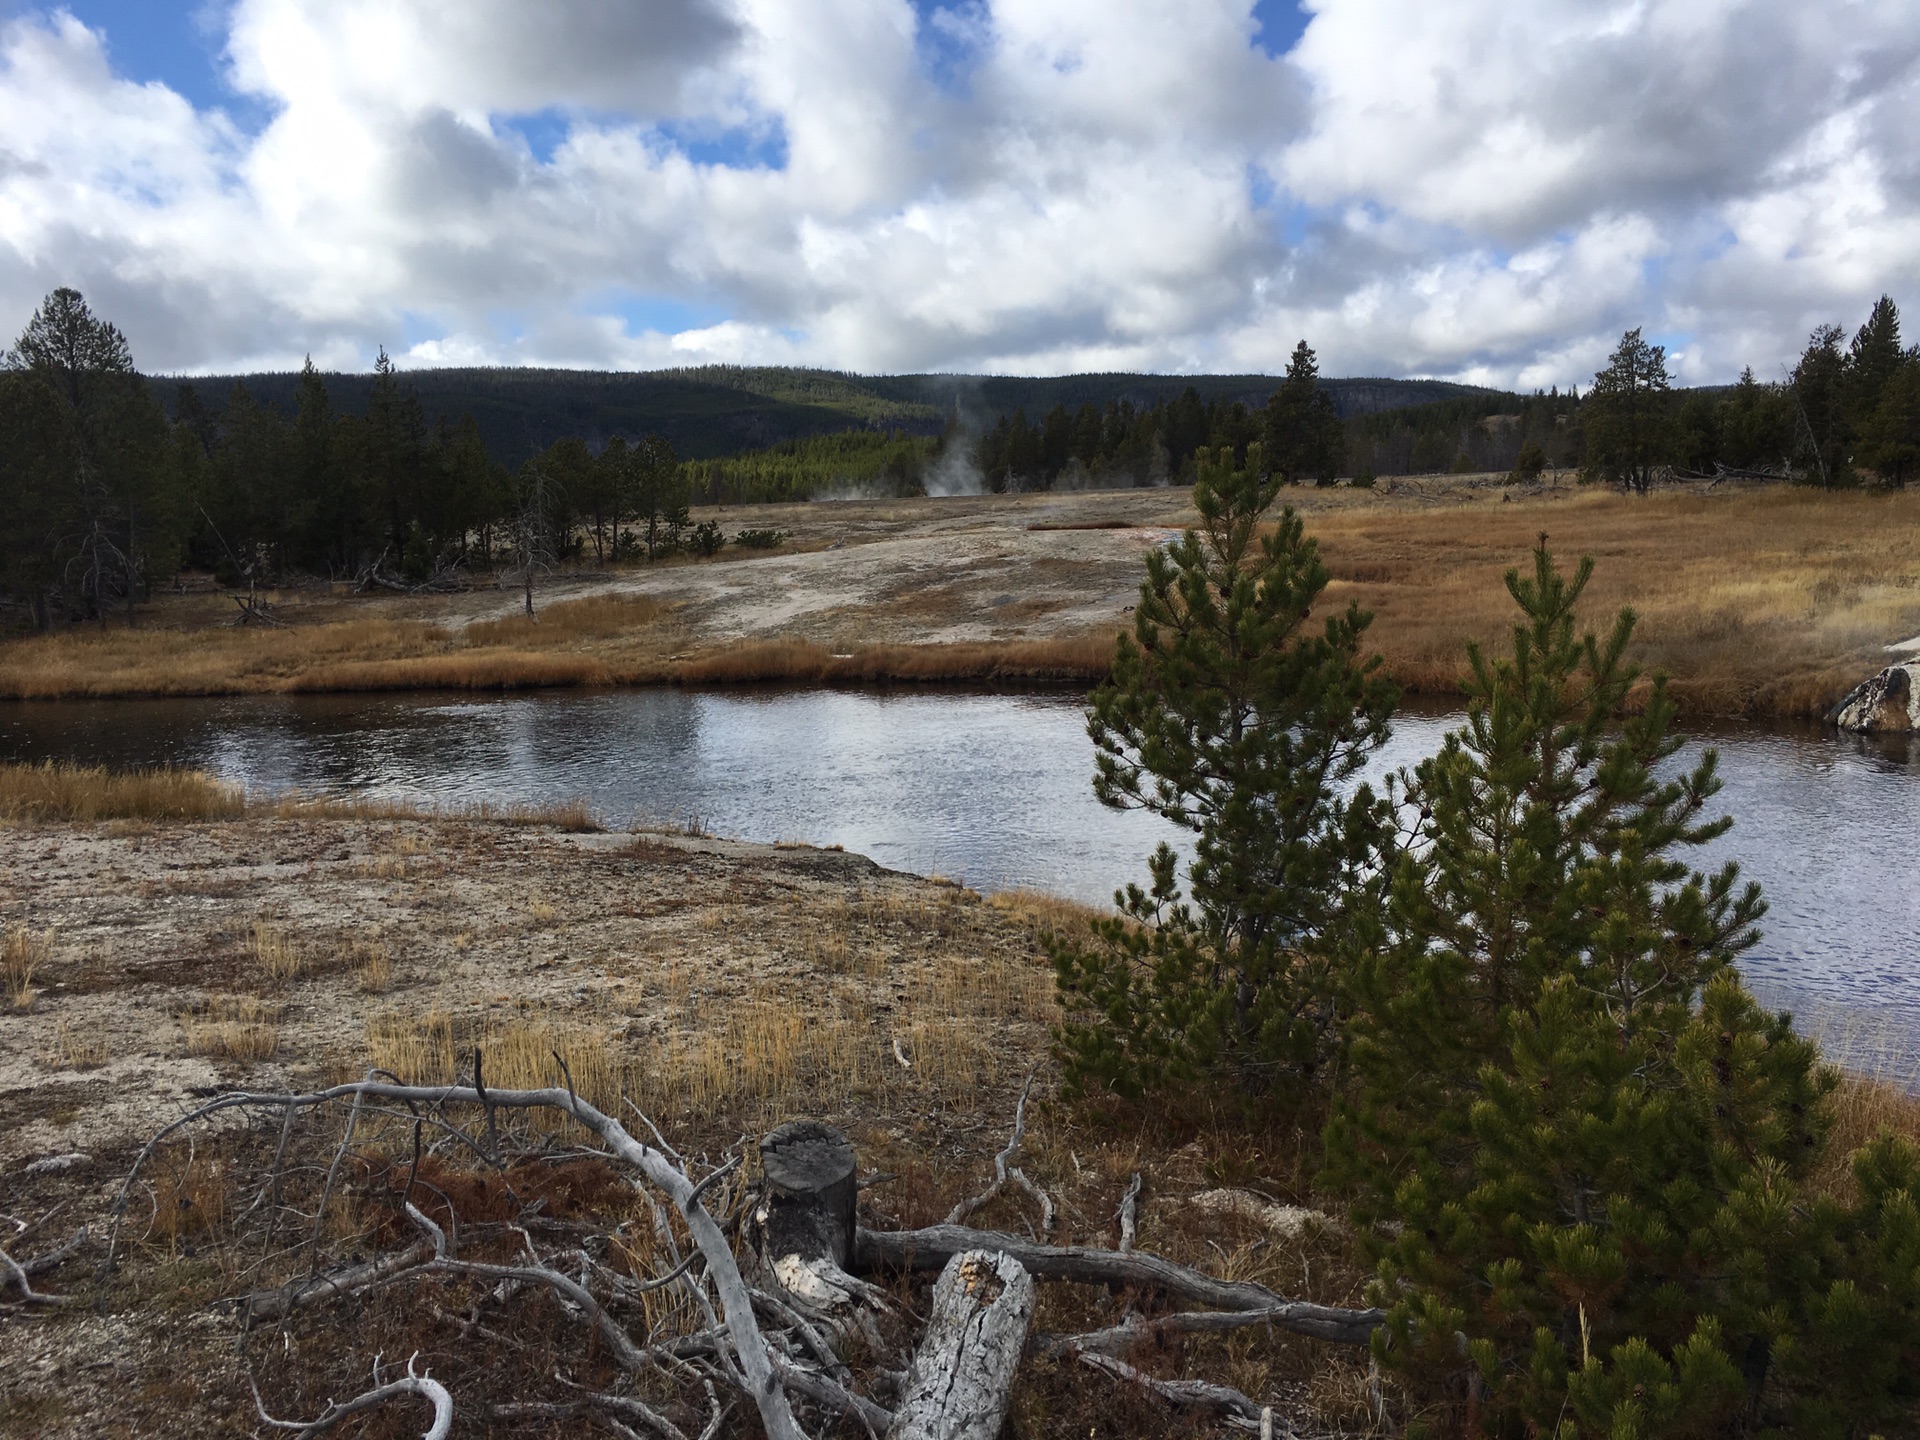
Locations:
column 1628, row 432
column 1301, row 436
column 1232, row 718
column 1873, row 359
column 112, row 509
column 1823, row 424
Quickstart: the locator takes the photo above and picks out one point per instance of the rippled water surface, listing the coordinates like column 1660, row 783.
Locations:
column 994, row 790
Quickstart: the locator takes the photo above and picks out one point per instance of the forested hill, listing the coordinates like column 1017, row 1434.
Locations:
column 723, row 409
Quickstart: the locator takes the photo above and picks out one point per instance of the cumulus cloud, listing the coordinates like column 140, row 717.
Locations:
column 1467, row 189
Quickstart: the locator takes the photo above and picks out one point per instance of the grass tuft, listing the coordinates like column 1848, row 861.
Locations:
column 274, row 951
column 233, row 1027
column 22, row 953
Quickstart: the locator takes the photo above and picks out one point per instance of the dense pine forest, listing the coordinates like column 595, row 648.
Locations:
column 111, row 482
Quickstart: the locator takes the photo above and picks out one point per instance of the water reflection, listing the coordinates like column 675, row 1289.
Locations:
column 994, row 790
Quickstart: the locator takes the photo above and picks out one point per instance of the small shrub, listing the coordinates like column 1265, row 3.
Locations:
column 706, row 538
column 759, row 539
column 1362, row 481
column 21, row 954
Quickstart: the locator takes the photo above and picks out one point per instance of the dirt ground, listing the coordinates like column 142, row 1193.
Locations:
column 721, row 986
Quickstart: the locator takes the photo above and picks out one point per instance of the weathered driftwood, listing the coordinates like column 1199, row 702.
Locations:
column 962, row 1372
column 933, row 1246
column 414, row 1382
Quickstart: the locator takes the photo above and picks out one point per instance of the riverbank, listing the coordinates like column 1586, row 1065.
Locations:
column 720, row 986
column 1758, row 601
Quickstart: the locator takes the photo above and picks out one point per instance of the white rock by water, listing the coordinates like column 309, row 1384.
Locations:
column 1890, row 701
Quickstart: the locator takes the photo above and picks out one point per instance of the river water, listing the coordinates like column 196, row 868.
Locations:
column 994, row 790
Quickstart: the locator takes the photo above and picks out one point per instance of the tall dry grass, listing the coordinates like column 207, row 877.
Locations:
column 1772, row 601
column 53, row 791
column 242, row 1028
column 345, row 655
column 1072, row 658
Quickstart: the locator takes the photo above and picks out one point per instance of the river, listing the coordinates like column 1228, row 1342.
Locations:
column 993, row 790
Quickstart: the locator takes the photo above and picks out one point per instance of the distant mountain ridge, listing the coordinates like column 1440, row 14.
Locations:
column 717, row 410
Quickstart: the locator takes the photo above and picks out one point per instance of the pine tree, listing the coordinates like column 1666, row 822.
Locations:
column 1301, row 435
column 1873, row 360
column 1232, row 718
column 1592, row 1144
column 1629, row 433
column 1822, row 427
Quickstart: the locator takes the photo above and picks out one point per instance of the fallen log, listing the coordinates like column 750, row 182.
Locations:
column 962, row 1372
column 932, row 1247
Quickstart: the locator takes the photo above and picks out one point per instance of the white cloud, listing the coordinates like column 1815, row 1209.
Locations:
column 1467, row 189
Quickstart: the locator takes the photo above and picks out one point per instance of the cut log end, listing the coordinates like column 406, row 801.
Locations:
column 807, row 1206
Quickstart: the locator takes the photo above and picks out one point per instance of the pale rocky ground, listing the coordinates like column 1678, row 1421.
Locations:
column 639, row 939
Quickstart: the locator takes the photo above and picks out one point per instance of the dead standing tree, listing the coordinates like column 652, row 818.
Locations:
column 535, row 519
column 765, row 1326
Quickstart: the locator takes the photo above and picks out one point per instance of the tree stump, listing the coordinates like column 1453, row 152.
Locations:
column 958, row 1386
column 807, row 1207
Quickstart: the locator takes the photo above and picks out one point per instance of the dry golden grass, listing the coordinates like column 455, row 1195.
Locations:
column 1773, row 601
column 22, row 953
column 233, row 1027
column 69, row 1049
column 360, row 654
column 1762, row 601
column 52, row 791
column 594, row 618
column 274, row 951
column 372, row 968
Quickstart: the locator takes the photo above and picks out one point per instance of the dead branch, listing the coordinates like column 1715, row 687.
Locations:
column 11, row 1269
column 336, row 1284
column 932, row 1247
column 1006, row 1171
column 40, row 1264
column 594, row 1401
column 1187, row 1394
column 748, row 1347
column 1137, row 1329
column 412, row 1383
column 1129, row 1214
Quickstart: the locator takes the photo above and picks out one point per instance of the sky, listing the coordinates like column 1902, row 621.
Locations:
column 1472, row 190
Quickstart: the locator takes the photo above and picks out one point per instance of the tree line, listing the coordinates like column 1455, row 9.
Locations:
column 1598, row 1185
column 1847, row 412
column 102, row 492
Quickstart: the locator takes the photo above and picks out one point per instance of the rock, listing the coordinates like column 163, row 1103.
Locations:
column 1888, row 703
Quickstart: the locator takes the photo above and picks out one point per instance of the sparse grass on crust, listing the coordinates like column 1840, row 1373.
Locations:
column 242, row 1028
column 69, row 1049
column 22, row 953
